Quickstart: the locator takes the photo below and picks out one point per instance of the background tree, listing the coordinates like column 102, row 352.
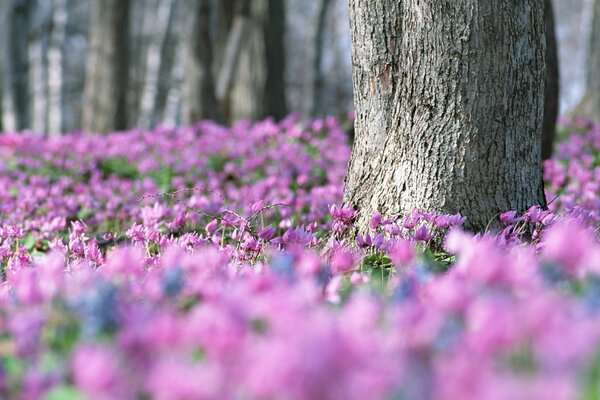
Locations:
column 17, row 16
column 105, row 100
column 199, row 100
column 449, row 102
column 589, row 106
column 314, row 83
column 258, row 86
column 551, row 97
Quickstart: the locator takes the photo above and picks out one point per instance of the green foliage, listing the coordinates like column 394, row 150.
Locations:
column 163, row 178
column 216, row 162
column 591, row 380
column 120, row 167
column 64, row 392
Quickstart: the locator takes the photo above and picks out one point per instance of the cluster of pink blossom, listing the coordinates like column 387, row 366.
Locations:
column 239, row 281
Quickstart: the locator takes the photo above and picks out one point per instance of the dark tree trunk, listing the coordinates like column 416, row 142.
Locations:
column 199, row 101
column 105, row 93
column 449, row 99
column 258, row 87
column 274, row 34
column 551, row 100
column 314, row 81
column 589, row 106
column 19, row 23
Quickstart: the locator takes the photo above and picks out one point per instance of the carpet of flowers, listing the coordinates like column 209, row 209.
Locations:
column 213, row 263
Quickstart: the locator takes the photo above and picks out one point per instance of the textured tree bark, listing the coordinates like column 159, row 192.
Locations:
column 589, row 106
column 105, row 92
column 199, row 100
column 551, row 98
column 449, row 99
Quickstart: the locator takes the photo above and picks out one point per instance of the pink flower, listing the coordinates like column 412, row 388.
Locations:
column 97, row 373
column 342, row 260
column 401, row 252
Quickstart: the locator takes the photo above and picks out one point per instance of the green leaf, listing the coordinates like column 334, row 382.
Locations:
column 28, row 242
column 64, row 392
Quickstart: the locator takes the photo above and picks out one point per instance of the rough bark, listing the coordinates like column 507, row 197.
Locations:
column 314, row 82
column 551, row 98
column 199, row 101
column 449, row 99
column 589, row 106
column 105, row 92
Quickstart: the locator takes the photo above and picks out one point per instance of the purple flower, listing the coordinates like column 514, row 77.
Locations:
column 375, row 220
column 267, row 233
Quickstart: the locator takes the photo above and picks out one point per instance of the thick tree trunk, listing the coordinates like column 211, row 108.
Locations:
column 449, row 99
column 551, row 98
column 589, row 106
column 107, row 68
column 199, row 101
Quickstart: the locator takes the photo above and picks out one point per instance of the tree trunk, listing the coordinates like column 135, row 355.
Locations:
column 199, row 100
column 55, row 68
column 589, row 106
column 551, row 98
column 107, row 68
column 258, row 86
column 153, row 62
column 274, row 36
column 16, row 65
column 314, row 81
column 449, row 99
column 168, row 54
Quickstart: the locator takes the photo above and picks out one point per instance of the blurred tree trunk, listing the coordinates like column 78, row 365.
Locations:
column 168, row 54
column 589, row 106
column 17, row 16
column 236, row 40
column 259, row 87
column 199, row 101
column 105, row 93
column 314, row 81
column 153, row 62
column 448, row 113
column 552, row 99
column 55, row 68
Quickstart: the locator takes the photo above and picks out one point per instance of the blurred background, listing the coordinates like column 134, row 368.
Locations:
column 106, row 65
